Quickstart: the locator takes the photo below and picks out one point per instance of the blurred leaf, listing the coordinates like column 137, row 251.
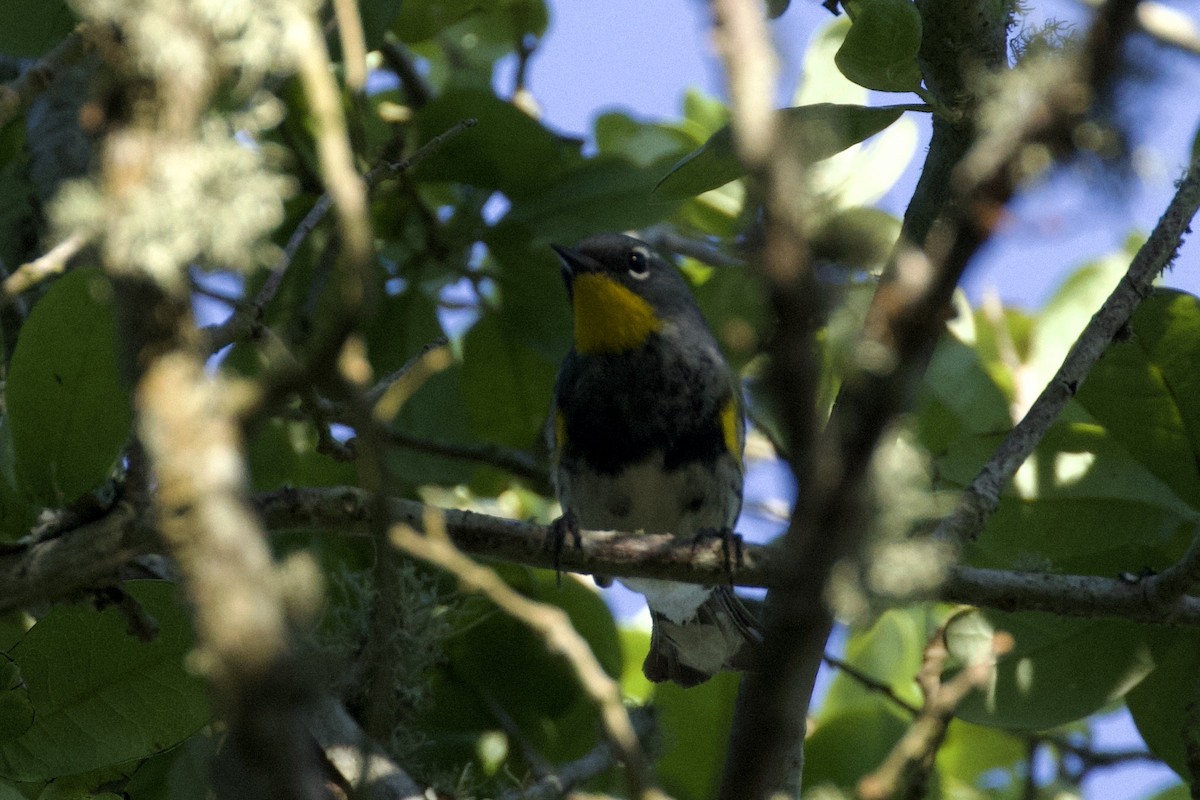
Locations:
column 29, row 28
column 971, row 751
column 635, row 644
column 506, row 150
column 1159, row 704
column 820, row 80
column 79, row 665
column 600, row 194
column 858, row 238
column 284, row 453
column 17, row 514
column 814, row 132
column 16, row 710
column 68, row 406
column 1039, row 684
column 377, row 17
column 732, row 302
column 1177, row 792
column 421, row 19
column 873, row 731
column 495, row 661
column 880, row 49
column 506, row 384
column 695, row 733
column 775, row 8
column 639, row 143
column 890, row 652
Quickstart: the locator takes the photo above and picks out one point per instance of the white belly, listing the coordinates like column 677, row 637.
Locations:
column 644, row 498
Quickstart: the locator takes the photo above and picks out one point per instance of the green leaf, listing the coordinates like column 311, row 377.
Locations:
column 284, row 453
column 874, row 730
column 600, row 194
column 494, row 661
column 422, row 19
column 100, row 696
column 1159, row 704
column 857, row 238
column 29, row 28
column 68, row 406
column 377, row 16
column 17, row 514
column 639, row 142
column 880, row 50
column 506, row 384
column 1039, row 683
column 1146, row 391
column 889, row 652
column 506, row 150
column 814, row 132
column 970, row 751
column 16, row 710
column 695, row 732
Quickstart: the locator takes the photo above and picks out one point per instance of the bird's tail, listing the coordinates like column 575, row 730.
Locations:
column 723, row 634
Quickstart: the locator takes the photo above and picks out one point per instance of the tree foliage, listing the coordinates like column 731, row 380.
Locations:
column 424, row 370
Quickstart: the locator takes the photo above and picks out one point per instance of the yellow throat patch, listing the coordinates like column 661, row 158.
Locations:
column 608, row 317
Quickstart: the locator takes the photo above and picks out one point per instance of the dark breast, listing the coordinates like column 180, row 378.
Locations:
column 620, row 409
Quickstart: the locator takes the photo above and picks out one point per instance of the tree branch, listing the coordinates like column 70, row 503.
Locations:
column 19, row 93
column 551, row 623
column 88, row 555
column 52, row 262
column 981, row 498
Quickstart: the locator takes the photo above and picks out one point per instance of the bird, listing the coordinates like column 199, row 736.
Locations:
column 647, row 435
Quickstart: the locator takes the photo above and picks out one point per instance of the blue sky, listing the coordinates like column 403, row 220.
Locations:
column 638, row 57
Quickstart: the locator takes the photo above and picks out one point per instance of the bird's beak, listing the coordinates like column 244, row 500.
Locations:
column 573, row 263
column 572, row 260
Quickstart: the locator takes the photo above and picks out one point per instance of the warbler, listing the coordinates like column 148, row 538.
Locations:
column 647, row 436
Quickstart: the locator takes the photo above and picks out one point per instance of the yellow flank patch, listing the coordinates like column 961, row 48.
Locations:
column 729, row 427
column 608, row 317
column 560, row 430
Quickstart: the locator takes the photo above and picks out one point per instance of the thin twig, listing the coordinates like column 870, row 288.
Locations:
column 515, row 462
column 400, row 61
column 384, row 385
column 906, row 771
column 52, row 262
column 874, row 684
column 551, row 623
column 19, row 93
column 981, row 498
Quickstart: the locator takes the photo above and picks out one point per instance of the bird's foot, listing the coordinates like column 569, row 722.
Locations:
column 556, row 538
column 731, row 547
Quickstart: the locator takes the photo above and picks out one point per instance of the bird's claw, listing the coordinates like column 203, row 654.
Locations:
column 560, row 529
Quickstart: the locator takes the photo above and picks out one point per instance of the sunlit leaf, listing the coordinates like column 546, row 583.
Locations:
column 814, row 132
column 880, row 50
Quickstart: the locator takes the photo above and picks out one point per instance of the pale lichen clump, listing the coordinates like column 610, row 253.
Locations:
column 186, row 183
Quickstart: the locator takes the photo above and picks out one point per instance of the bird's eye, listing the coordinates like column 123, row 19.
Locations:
column 639, row 264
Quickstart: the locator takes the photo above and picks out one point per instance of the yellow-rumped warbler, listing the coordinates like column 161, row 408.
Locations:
column 648, row 436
